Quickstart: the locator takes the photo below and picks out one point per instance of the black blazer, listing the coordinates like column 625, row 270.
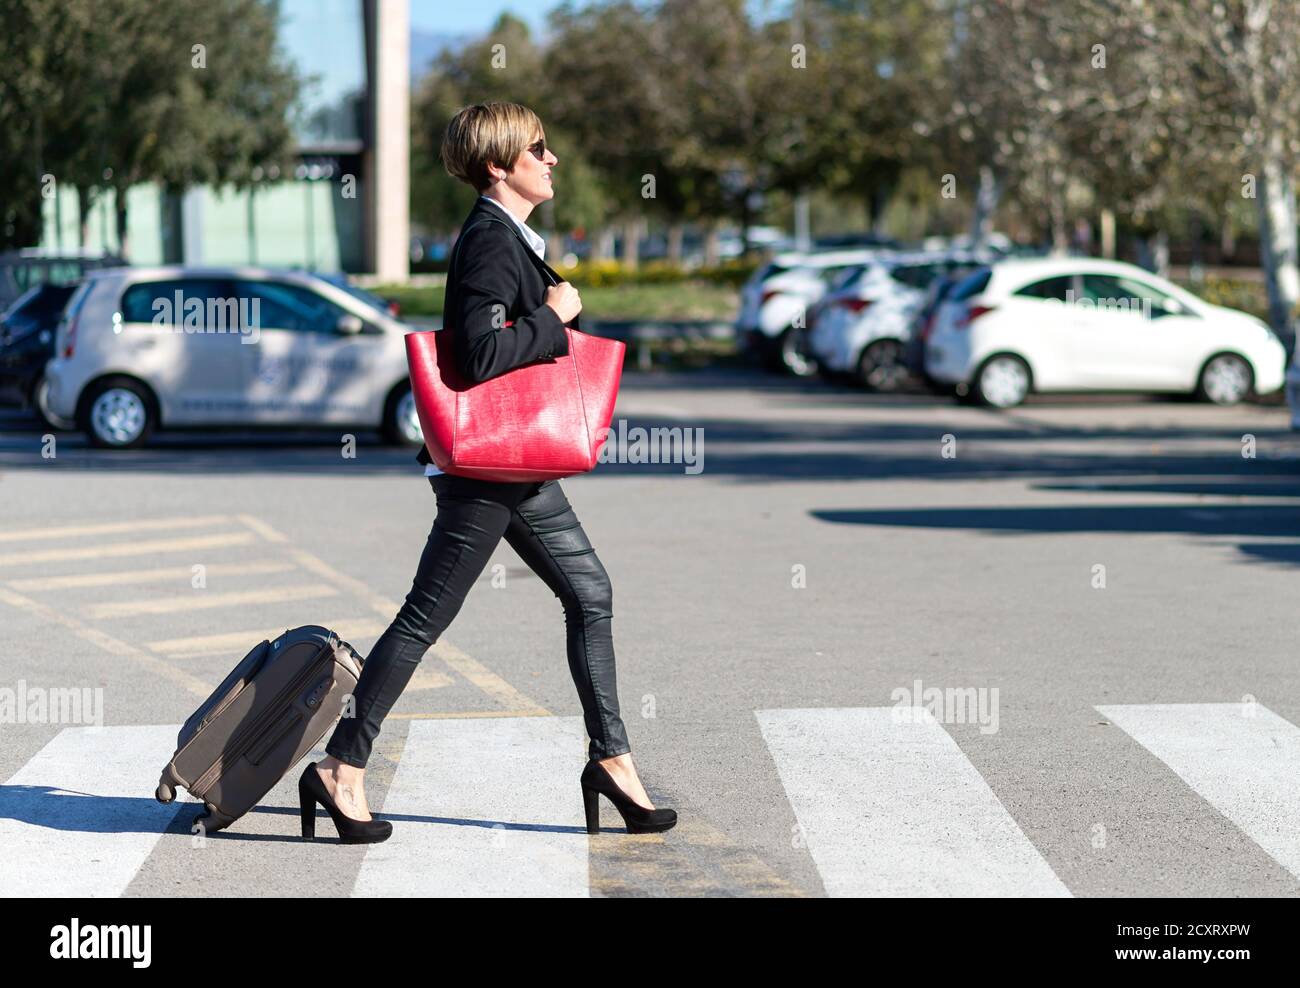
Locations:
column 496, row 278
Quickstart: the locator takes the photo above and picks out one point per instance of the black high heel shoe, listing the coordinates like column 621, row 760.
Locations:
column 311, row 790
column 639, row 820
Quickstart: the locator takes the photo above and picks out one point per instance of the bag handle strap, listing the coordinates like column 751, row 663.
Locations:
column 538, row 263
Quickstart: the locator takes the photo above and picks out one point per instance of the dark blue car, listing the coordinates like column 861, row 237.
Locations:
column 27, row 341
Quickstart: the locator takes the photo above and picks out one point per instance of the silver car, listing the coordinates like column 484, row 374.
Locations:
column 140, row 349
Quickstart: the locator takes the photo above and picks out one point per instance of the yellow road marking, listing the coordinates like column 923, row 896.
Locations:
column 263, row 529
column 426, row 678
column 488, row 681
column 376, row 602
column 158, row 575
column 477, row 673
column 126, row 549
column 692, row 859
column 201, row 600
column 108, row 528
column 108, row 643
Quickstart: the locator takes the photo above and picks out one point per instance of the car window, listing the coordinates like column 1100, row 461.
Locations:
column 370, row 298
column 185, row 302
column 1121, row 294
column 62, row 272
column 915, row 275
column 39, row 306
column 22, row 302
column 1050, row 288
column 836, row 276
column 848, row 277
column 277, row 305
column 1139, row 294
column 50, row 300
column 972, row 284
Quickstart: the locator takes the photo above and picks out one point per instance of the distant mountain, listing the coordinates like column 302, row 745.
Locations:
column 427, row 45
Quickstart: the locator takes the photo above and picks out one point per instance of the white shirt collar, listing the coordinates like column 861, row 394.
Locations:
column 536, row 241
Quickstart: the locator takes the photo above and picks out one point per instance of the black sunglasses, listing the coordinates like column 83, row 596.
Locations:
column 537, row 149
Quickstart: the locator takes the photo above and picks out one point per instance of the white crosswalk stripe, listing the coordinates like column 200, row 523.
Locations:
column 487, row 807
column 889, row 807
column 492, row 807
column 1241, row 758
column 79, row 819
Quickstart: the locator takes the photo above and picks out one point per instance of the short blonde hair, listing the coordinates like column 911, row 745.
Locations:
column 487, row 133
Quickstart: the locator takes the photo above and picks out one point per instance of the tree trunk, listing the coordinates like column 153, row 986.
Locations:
column 83, row 207
column 1277, row 237
column 986, row 202
column 632, row 243
column 1162, row 254
column 1108, row 234
column 676, row 234
column 1227, row 238
column 878, row 202
column 1055, row 183
column 803, row 221
column 711, row 244
column 1060, row 236
column 120, row 221
column 1196, row 231
column 602, row 245
column 745, row 218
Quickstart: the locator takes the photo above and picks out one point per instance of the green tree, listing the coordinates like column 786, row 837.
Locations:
column 505, row 64
column 172, row 91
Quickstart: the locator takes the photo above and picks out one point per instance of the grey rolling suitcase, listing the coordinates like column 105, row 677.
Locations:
column 271, row 710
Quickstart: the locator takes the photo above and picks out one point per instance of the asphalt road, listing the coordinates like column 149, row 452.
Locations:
column 1103, row 591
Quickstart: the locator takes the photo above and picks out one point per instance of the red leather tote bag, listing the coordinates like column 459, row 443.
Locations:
column 541, row 421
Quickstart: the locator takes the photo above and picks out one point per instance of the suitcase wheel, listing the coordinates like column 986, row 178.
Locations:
column 165, row 793
column 212, row 820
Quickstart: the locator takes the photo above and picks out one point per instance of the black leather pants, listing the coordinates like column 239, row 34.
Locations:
column 540, row 525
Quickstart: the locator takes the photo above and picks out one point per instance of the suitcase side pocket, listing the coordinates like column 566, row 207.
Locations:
column 267, row 741
column 274, row 733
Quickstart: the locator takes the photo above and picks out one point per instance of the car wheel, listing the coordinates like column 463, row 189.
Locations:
column 40, row 402
column 1225, row 380
column 401, row 420
column 881, row 366
column 795, row 357
column 117, row 414
column 1003, row 382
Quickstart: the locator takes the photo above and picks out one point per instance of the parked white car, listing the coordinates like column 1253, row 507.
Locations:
column 139, row 349
column 1083, row 324
column 863, row 325
column 775, row 302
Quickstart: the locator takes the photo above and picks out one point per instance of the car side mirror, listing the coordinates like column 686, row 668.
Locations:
column 348, row 325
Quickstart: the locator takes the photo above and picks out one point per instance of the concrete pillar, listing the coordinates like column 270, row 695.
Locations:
column 390, row 178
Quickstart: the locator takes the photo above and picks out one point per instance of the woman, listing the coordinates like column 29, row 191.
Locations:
column 499, row 149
